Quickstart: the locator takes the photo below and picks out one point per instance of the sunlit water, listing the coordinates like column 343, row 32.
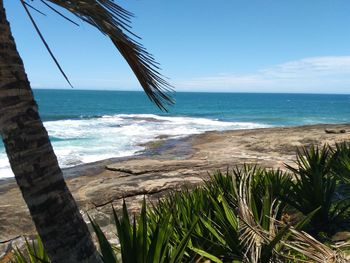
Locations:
column 87, row 126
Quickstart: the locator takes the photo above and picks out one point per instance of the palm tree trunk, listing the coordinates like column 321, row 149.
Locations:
column 56, row 216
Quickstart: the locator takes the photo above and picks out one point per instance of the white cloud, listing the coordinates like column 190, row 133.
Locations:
column 329, row 74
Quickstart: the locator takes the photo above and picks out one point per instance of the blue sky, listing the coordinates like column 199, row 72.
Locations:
column 223, row 45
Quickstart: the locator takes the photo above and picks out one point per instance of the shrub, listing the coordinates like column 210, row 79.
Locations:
column 341, row 162
column 143, row 241
column 242, row 215
column 314, row 188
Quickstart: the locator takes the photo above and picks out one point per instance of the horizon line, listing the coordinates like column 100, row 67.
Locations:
column 199, row 91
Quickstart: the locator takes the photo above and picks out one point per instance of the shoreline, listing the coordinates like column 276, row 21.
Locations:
column 163, row 148
column 158, row 147
column 160, row 168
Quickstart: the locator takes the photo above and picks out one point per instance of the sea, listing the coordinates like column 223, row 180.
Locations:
column 87, row 126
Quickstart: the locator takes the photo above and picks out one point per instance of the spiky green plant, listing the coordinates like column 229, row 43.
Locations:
column 341, row 161
column 258, row 211
column 247, row 214
column 187, row 207
column 223, row 183
column 34, row 253
column 143, row 241
column 277, row 182
column 305, row 248
column 224, row 228
column 314, row 187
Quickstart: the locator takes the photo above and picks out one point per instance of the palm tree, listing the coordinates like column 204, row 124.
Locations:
column 56, row 216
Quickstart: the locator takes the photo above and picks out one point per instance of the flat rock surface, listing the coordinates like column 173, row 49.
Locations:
column 171, row 165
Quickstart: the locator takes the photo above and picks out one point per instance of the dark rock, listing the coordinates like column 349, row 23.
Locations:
column 334, row 131
column 330, row 131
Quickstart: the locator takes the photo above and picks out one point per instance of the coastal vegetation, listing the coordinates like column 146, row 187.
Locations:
column 245, row 214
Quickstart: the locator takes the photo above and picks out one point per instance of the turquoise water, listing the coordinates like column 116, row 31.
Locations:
column 87, row 126
column 273, row 109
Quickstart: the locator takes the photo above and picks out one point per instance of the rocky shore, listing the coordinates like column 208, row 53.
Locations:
column 167, row 164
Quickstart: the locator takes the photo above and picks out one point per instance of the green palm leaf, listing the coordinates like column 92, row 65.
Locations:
column 114, row 22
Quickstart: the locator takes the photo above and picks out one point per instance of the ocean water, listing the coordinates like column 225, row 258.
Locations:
column 87, row 126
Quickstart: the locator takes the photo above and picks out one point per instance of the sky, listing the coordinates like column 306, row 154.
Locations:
column 298, row 46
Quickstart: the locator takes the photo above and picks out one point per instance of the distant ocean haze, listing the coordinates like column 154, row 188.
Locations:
column 87, row 126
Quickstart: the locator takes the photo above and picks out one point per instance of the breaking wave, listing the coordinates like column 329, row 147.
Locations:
column 78, row 141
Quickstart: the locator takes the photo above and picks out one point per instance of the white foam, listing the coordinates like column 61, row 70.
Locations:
column 89, row 140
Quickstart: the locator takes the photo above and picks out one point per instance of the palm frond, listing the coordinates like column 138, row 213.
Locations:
column 35, row 9
column 308, row 246
column 59, row 13
column 114, row 21
column 25, row 6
